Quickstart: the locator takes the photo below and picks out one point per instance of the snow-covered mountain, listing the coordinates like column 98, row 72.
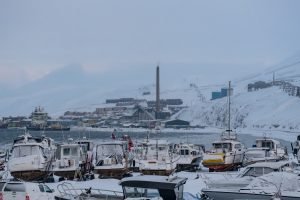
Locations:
column 73, row 88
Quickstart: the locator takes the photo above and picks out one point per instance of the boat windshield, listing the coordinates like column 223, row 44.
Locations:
column 222, row 146
column 22, row 151
column 70, row 151
column 84, row 148
column 265, row 143
column 134, row 192
column 110, row 149
column 258, row 171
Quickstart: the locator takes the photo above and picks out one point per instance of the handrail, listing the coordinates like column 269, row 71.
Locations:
column 67, row 189
column 100, row 191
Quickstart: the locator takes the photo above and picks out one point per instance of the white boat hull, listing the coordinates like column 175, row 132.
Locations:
column 223, row 161
column 243, row 195
column 27, row 163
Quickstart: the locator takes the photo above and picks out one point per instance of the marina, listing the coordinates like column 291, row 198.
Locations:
column 82, row 162
column 149, row 100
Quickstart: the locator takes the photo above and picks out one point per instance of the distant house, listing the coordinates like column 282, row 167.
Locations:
column 163, row 115
column 223, row 93
column 174, row 102
column 177, row 123
column 258, row 85
column 138, row 113
column 165, row 102
column 120, row 100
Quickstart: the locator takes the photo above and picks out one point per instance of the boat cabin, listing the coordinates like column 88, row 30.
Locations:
column 262, row 168
column 69, row 155
column 86, row 145
column 22, row 150
column 267, row 143
column 156, row 187
column 226, row 146
column 190, row 149
column 111, row 153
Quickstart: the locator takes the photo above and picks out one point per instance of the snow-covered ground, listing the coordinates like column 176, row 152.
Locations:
column 269, row 108
column 192, row 189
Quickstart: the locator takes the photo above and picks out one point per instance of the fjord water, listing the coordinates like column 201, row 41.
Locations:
column 7, row 136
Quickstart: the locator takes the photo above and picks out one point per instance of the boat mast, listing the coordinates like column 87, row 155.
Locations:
column 229, row 93
column 156, row 149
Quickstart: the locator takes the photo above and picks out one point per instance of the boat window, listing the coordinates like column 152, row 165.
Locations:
column 14, row 187
column 217, row 145
column 161, row 148
column 106, row 150
column 268, row 144
column 268, row 170
column 22, row 151
column 74, row 151
column 41, row 188
column 227, row 146
column 84, row 148
column 1, row 185
column 237, row 146
column 254, row 171
column 47, row 189
column 222, row 146
column 133, row 192
column 35, row 150
column 181, row 152
column 16, row 152
column 179, row 192
column 186, row 152
column 66, row 151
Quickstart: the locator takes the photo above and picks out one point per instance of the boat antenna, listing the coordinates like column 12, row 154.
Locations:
column 229, row 93
column 63, row 135
column 156, row 148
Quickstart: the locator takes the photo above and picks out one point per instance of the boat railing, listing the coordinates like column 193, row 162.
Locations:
column 5, row 175
column 229, row 135
column 68, row 190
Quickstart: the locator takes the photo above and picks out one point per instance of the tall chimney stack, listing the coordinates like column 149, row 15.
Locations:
column 157, row 92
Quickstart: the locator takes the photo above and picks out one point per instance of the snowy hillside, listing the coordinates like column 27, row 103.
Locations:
column 269, row 108
column 72, row 88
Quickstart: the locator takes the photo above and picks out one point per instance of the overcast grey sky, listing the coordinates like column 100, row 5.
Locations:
column 37, row 37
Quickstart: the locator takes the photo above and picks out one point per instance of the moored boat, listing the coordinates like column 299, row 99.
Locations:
column 265, row 149
column 112, row 159
column 31, row 157
column 275, row 185
column 153, row 187
column 191, row 156
column 156, row 157
column 249, row 173
column 74, row 160
column 228, row 152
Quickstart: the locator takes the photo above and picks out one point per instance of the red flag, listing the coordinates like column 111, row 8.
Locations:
column 130, row 143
